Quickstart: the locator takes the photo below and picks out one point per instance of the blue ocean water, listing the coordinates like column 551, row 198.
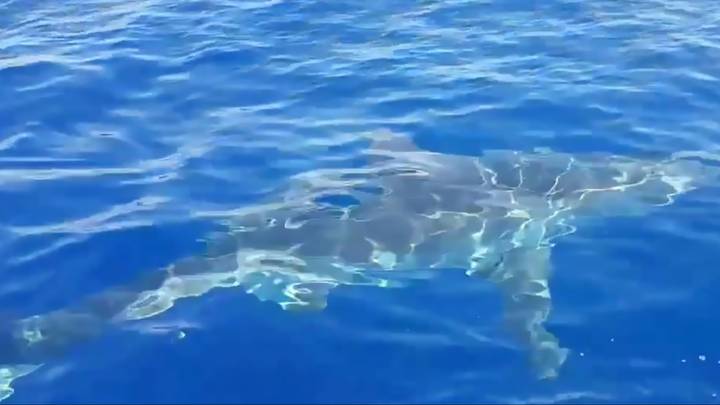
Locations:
column 120, row 121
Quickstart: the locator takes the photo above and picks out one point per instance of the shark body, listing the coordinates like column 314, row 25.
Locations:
column 495, row 216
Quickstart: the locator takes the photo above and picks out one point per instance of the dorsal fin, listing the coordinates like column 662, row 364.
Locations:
column 385, row 140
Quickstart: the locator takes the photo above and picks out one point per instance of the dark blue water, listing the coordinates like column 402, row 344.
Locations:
column 121, row 120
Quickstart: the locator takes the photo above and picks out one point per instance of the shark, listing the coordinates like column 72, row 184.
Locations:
column 496, row 217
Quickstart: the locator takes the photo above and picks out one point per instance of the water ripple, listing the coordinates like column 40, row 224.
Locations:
column 119, row 117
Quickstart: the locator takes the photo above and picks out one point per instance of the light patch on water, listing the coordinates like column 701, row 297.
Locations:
column 386, row 260
column 30, row 330
column 518, row 213
column 700, row 154
column 622, row 177
column 155, row 302
column 563, row 397
column 12, row 140
column 8, row 374
column 681, row 184
column 102, row 221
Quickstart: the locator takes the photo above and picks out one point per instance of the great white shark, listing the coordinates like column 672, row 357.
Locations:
column 496, row 216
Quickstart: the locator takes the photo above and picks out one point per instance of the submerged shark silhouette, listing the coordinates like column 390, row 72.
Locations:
column 495, row 216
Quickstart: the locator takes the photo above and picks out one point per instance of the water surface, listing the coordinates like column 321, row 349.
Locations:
column 120, row 120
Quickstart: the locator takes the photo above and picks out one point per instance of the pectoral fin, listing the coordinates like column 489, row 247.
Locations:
column 523, row 277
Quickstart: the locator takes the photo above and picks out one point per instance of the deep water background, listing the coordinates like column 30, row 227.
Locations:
column 119, row 120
